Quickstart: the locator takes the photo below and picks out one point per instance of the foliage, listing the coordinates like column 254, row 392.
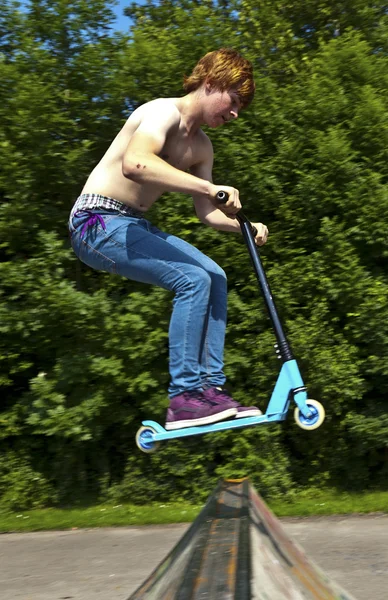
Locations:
column 21, row 487
column 84, row 355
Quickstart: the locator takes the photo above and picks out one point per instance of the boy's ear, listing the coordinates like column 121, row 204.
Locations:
column 208, row 85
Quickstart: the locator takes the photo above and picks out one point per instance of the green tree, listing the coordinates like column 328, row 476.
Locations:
column 58, row 110
column 83, row 356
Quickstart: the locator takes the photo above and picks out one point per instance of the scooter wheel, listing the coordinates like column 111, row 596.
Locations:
column 144, row 440
column 316, row 419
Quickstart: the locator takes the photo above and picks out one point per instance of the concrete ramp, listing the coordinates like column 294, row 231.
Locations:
column 236, row 549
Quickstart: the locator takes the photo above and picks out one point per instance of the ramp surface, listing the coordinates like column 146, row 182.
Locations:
column 236, row 549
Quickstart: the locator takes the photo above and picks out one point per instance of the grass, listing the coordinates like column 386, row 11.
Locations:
column 331, row 503
column 315, row 504
column 104, row 515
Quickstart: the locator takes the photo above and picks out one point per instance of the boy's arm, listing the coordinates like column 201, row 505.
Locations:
column 208, row 213
column 204, row 207
column 142, row 164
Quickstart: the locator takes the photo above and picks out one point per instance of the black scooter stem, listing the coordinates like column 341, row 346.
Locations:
column 246, row 230
column 249, row 231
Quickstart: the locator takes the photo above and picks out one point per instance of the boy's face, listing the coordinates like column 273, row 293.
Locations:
column 221, row 107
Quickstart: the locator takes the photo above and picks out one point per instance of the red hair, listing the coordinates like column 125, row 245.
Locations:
column 225, row 69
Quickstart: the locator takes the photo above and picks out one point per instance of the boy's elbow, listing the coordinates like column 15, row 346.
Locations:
column 134, row 166
column 203, row 217
column 131, row 169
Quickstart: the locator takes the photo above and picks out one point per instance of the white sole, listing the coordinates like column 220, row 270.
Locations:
column 230, row 412
column 249, row 413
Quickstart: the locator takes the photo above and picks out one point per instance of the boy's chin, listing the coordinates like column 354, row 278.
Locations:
column 214, row 123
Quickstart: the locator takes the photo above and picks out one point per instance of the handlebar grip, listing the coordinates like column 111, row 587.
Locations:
column 254, row 230
column 222, row 198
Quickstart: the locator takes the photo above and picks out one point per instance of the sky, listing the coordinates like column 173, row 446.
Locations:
column 122, row 23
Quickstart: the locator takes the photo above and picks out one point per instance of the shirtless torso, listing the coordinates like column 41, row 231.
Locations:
column 162, row 148
column 181, row 149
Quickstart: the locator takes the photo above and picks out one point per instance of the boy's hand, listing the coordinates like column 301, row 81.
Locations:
column 262, row 234
column 232, row 205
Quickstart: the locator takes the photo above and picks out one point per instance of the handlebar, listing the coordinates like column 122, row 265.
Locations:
column 222, row 197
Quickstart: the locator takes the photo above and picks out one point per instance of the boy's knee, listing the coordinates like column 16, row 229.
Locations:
column 203, row 279
column 218, row 276
column 221, row 273
column 194, row 279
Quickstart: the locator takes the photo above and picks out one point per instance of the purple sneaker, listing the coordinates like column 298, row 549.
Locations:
column 192, row 408
column 221, row 397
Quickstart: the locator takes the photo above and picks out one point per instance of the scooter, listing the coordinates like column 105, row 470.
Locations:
column 308, row 414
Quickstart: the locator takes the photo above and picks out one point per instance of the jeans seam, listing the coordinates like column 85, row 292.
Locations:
column 206, row 352
column 120, row 245
column 110, row 261
column 186, row 328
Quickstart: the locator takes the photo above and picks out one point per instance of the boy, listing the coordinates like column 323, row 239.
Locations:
column 162, row 148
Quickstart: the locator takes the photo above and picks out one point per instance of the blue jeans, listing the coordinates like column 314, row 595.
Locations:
column 133, row 248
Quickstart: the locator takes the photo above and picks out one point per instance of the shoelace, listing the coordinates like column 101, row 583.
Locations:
column 93, row 219
column 221, row 396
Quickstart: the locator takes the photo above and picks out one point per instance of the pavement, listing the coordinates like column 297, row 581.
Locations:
column 110, row 563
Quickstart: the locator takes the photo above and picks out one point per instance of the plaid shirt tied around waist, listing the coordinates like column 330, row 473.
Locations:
column 88, row 202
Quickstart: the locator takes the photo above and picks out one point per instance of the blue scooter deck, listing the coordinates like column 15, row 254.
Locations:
column 163, row 434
